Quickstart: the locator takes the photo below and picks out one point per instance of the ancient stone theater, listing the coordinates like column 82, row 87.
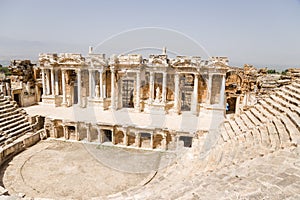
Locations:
column 155, row 86
column 155, row 127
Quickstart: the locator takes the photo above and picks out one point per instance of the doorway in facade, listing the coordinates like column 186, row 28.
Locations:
column 187, row 83
column 230, row 105
column 17, row 99
column 127, row 93
column 107, row 136
column 186, row 140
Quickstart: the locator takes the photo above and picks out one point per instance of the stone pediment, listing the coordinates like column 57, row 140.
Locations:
column 70, row 59
column 97, row 60
column 185, row 61
column 158, row 60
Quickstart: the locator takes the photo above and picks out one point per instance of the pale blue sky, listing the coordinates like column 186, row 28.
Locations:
column 259, row 32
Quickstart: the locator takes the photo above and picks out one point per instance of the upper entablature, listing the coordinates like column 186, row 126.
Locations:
column 130, row 59
column 51, row 60
column 221, row 59
column 186, row 61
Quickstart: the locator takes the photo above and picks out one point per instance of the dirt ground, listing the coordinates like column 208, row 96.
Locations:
column 65, row 170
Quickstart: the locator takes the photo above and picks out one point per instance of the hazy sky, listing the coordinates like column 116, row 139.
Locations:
column 259, row 32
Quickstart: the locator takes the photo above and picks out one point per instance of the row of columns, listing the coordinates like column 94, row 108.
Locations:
column 50, row 76
column 55, row 87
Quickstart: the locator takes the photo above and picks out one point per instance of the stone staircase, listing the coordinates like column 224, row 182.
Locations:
column 13, row 121
column 255, row 137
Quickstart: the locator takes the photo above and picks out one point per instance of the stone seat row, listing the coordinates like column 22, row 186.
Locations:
column 272, row 124
column 13, row 122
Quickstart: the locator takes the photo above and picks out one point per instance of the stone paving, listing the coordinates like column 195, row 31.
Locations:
column 66, row 170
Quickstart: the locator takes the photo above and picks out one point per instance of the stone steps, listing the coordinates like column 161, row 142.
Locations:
column 13, row 124
column 9, row 123
column 264, row 113
column 287, row 98
column 291, row 91
column 12, row 115
column 282, row 133
column 269, row 108
column 289, row 111
column 274, row 137
column 241, row 124
column 6, row 106
column 248, row 123
column 254, row 119
column 5, row 102
column 8, row 110
column 229, row 132
column 291, row 129
column 297, row 85
column 272, row 123
column 235, row 127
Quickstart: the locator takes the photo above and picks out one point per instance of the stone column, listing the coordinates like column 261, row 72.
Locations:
column 164, row 143
column 56, row 82
column 176, row 96
column 43, row 81
column 137, row 139
column 66, row 134
column 101, row 83
column 99, row 135
column 209, row 88
column 222, row 92
column 90, row 84
column 112, row 95
column 47, row 82
column 195, row 95
column 152, row 141
column 52, row 82
column 151, row 86
column 237, row 105
column 138, row 91
column 76, row 132
column 79, row 86
column 164, row 87
column 88, row 132
column 63, row 79
column 113, row 140
column 125, row 138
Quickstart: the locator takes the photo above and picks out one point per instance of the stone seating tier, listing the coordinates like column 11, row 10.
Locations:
column 13, row 121
column 265, row 129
